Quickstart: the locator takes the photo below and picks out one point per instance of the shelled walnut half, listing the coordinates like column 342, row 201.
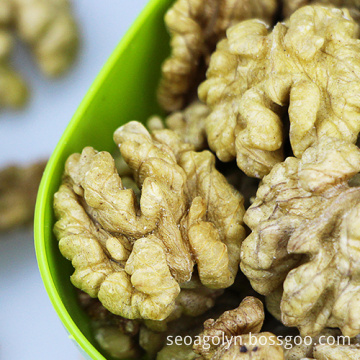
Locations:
column 304, row 240
column 195, row 27
column 236, row 335
column 134, row 255
column 307, row 66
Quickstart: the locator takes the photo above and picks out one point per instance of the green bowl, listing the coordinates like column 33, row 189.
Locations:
column 124, row 90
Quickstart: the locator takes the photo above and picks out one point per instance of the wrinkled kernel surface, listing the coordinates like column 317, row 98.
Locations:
column 235, row 326
column 133, row 254
column 305, row 236
column 195, row 27
column 289, row 6
column 307, row 66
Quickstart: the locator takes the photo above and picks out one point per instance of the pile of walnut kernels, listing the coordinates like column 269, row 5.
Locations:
column 255, row 169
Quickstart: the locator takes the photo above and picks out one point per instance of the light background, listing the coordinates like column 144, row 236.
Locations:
column 29, row 326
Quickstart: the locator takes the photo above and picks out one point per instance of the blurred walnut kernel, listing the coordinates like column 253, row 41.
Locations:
column 18, row 190
column 48, row 28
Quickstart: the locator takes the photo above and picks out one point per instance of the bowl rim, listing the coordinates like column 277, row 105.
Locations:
column 40, row 239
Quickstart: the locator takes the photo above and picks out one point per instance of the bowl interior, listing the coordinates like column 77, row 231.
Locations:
column 124, row 90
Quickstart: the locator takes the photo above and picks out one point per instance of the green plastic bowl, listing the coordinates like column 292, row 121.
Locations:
column 124, row 90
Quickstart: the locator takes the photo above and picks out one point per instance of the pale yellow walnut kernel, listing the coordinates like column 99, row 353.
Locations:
column 82, row 241
column 110, row 211
column 146, row 289
column 216, row 206
column 306, row 66
column 228, row 337
column 305, row 237
column 206, row 188
column 195, row 26
column 134, row 251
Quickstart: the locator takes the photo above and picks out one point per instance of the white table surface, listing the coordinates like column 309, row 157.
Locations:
column 29, row 326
